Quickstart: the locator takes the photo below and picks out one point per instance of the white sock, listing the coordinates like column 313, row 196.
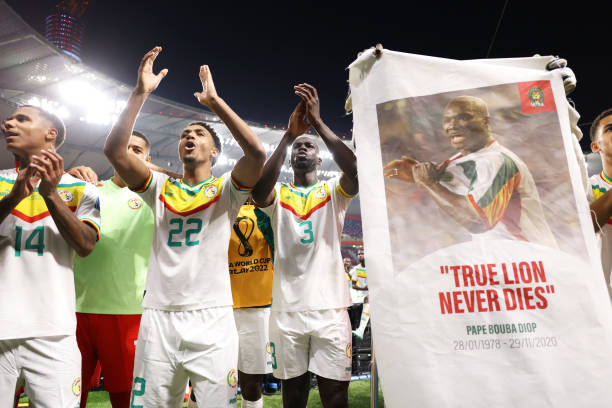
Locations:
column 252, row 404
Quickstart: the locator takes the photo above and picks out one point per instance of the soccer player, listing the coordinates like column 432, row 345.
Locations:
column 488, row 190
column 110, row 282
column 309, row 325
column 251, row 271
column 359, row 279
column 45, row 217
column 187, row 328
column 601, row 207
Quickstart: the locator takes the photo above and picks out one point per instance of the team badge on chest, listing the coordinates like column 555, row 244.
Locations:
column 210, row 191
column 66, row 196
column 320, row 193
column 134, row 203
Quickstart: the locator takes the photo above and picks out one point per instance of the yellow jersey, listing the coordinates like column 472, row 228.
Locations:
column 250, row 258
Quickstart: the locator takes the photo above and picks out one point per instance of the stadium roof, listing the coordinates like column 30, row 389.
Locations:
column 33, row 71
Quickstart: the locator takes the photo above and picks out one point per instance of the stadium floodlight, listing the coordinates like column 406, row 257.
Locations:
column 96, row 106
column 50, row 106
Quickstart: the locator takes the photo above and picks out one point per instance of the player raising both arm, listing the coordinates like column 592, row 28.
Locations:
column 45, row 217
column 309, row 324
column 187, row 328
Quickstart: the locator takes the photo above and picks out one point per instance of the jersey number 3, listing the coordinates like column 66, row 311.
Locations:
column 308, row 237
column 173, row 235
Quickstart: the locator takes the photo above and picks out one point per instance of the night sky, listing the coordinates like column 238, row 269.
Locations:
column 258, row 50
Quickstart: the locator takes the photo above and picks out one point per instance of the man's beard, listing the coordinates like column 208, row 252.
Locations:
column 303, row 165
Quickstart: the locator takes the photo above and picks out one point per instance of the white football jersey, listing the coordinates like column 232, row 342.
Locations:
column 308, row 268
column 188, row 263
column 501, row 190
column 36, row 280
column 600, row 184
column 359, row 275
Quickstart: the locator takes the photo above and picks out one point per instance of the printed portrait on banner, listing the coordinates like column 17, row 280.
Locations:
column 476, row 165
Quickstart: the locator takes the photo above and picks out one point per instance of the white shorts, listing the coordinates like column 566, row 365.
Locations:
column 50, row 367
column 318, row 341
column 172, row 347
column 254, row 354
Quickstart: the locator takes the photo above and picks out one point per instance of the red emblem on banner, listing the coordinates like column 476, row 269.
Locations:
column 536, row 97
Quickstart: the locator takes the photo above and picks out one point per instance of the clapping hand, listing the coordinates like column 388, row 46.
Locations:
column 297, row 124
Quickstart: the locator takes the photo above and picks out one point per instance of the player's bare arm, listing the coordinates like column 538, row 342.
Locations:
column 132, row 170
column 89, row 175
column 247, row 170
column 427, row 176
column 343, row 155
column 167, row 172
column 24, row 186
column 263, row 193
column 601, row 210
column 79, row 235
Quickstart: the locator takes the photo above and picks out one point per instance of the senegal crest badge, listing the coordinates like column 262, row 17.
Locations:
column 134, row 203
column 536, row 97
column 210, row 191
column 65, row 195
column 232, row 378
column 320, row 193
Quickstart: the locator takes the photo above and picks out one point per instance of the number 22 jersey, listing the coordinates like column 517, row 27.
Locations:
column 188, row 262
column 308, row 268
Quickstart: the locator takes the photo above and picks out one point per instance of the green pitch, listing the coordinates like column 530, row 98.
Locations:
column 359, row 397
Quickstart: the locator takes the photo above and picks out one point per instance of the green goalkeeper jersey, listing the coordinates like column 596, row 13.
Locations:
column 111, row 280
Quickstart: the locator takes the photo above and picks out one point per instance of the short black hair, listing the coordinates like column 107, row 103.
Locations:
column 596, row 122
column 56, row 121
column 143, row 137
column 213, row 134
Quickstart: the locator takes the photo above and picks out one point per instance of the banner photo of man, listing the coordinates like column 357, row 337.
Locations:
column 485, row 283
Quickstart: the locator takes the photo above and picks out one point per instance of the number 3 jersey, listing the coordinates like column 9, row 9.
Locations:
column 36, row 280
column 308, row 268
column 188, row 262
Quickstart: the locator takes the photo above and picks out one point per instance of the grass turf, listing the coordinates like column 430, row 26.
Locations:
column 359, row 397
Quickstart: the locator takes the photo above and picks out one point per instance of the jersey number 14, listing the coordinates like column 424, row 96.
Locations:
column 35, row 241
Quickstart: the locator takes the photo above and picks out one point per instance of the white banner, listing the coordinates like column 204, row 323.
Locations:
column 484, row 276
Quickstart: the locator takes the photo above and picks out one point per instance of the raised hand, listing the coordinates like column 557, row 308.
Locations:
column 310, row 96
column 147, row 80
column 86, row 174
column 51, row 168
column 401, row 169
column 378, row 50
column 568, row 76
column 209, row 93
column 297, row 124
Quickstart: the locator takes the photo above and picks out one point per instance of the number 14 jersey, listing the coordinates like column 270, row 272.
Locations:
column 308, row 269
column 36, row 280
column 188, row 263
